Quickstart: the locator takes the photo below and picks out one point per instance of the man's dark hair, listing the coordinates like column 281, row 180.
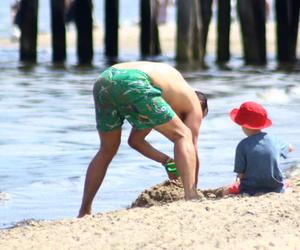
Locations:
column 203, row 100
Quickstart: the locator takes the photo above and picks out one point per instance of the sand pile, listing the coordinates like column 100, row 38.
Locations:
column 160, row 194
column 170, row 191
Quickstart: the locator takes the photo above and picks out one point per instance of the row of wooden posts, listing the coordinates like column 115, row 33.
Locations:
column 193, row 19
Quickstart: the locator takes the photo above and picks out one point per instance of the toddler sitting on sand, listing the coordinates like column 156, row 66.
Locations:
column 257, row 157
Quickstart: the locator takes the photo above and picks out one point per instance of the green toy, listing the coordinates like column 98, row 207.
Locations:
column 171, row 168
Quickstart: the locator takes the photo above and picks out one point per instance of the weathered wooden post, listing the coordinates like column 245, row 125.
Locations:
column 111, row 28
column 252, row 16
column 84, row 25
column 58, row 29
column 184, row 33
column 29, row 26
column 223, row 31
column 287, row 15
column 189, row 27
column 149, row 36
column 206, row 13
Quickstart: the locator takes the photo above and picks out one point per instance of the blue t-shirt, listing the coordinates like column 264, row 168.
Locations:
column 258, row 157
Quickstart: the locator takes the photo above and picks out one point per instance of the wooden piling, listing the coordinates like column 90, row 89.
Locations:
column 149, row 36
column 206, row 13
column 58, row 29
column 111, row 39
column 184, row 33
column 252, row 15
column 84, row 26
column 223, row 31
column 29, row 26
column 193, row 19
column 287, row 17
column 189, row 30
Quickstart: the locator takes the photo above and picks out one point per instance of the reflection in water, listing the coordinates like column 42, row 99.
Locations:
column 48, row 136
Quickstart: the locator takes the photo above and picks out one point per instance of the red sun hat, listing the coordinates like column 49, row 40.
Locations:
column 251, row 115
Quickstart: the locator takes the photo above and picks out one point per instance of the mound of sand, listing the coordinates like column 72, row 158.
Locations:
column 170, row 191
column 160, row 194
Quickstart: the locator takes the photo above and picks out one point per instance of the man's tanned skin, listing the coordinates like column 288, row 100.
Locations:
column 182, row 130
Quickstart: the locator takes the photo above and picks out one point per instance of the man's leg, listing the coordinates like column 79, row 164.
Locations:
column 96, row 171
column 137, row 141
column 184, row 154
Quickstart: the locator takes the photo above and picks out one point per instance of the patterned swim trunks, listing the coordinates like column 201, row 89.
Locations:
column 128, row 94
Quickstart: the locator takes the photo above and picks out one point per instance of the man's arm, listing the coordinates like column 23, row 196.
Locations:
column 137, row 141
column 193, row 122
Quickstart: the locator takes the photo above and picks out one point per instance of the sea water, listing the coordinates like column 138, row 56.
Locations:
column 48, row 134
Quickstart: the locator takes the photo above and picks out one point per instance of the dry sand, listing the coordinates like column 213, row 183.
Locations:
column 270, row 221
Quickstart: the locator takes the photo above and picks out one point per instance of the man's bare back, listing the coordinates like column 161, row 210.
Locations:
column 175, row 90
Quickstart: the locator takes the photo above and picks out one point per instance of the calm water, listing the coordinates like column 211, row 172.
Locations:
column 48, row 135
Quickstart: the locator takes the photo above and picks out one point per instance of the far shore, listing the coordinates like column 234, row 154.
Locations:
column 129, row 39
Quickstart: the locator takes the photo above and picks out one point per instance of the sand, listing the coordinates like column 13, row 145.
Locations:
column 270, row 221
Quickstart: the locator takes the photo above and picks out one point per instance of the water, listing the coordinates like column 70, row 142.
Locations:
column 48, row 135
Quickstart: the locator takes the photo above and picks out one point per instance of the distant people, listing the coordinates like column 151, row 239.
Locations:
column 70, row 11
column 162, row 10
column 148, row 95
column 257, row 157
column 16, row 20
column 268, row 10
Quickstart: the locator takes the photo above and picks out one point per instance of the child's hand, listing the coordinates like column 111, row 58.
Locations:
column 240, row 176
column 290, row 148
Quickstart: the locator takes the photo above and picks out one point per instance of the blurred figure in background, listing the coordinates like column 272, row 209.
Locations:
column 70, row 11
column 162, row 10
column 16, row 20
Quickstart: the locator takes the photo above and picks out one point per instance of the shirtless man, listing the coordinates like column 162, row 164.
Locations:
column 149, row 95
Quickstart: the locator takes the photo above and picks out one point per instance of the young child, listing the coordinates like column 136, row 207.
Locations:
column 257, row 157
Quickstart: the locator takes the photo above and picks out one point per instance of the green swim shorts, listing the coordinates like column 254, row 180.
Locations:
column 128, row 94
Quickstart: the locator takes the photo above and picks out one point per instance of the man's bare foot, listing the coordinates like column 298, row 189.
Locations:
column 83, row 213
column 194, row 195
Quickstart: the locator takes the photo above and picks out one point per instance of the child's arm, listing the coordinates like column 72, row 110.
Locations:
column 240, row 176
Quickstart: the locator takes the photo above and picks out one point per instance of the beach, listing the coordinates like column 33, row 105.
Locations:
column 270, row 221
